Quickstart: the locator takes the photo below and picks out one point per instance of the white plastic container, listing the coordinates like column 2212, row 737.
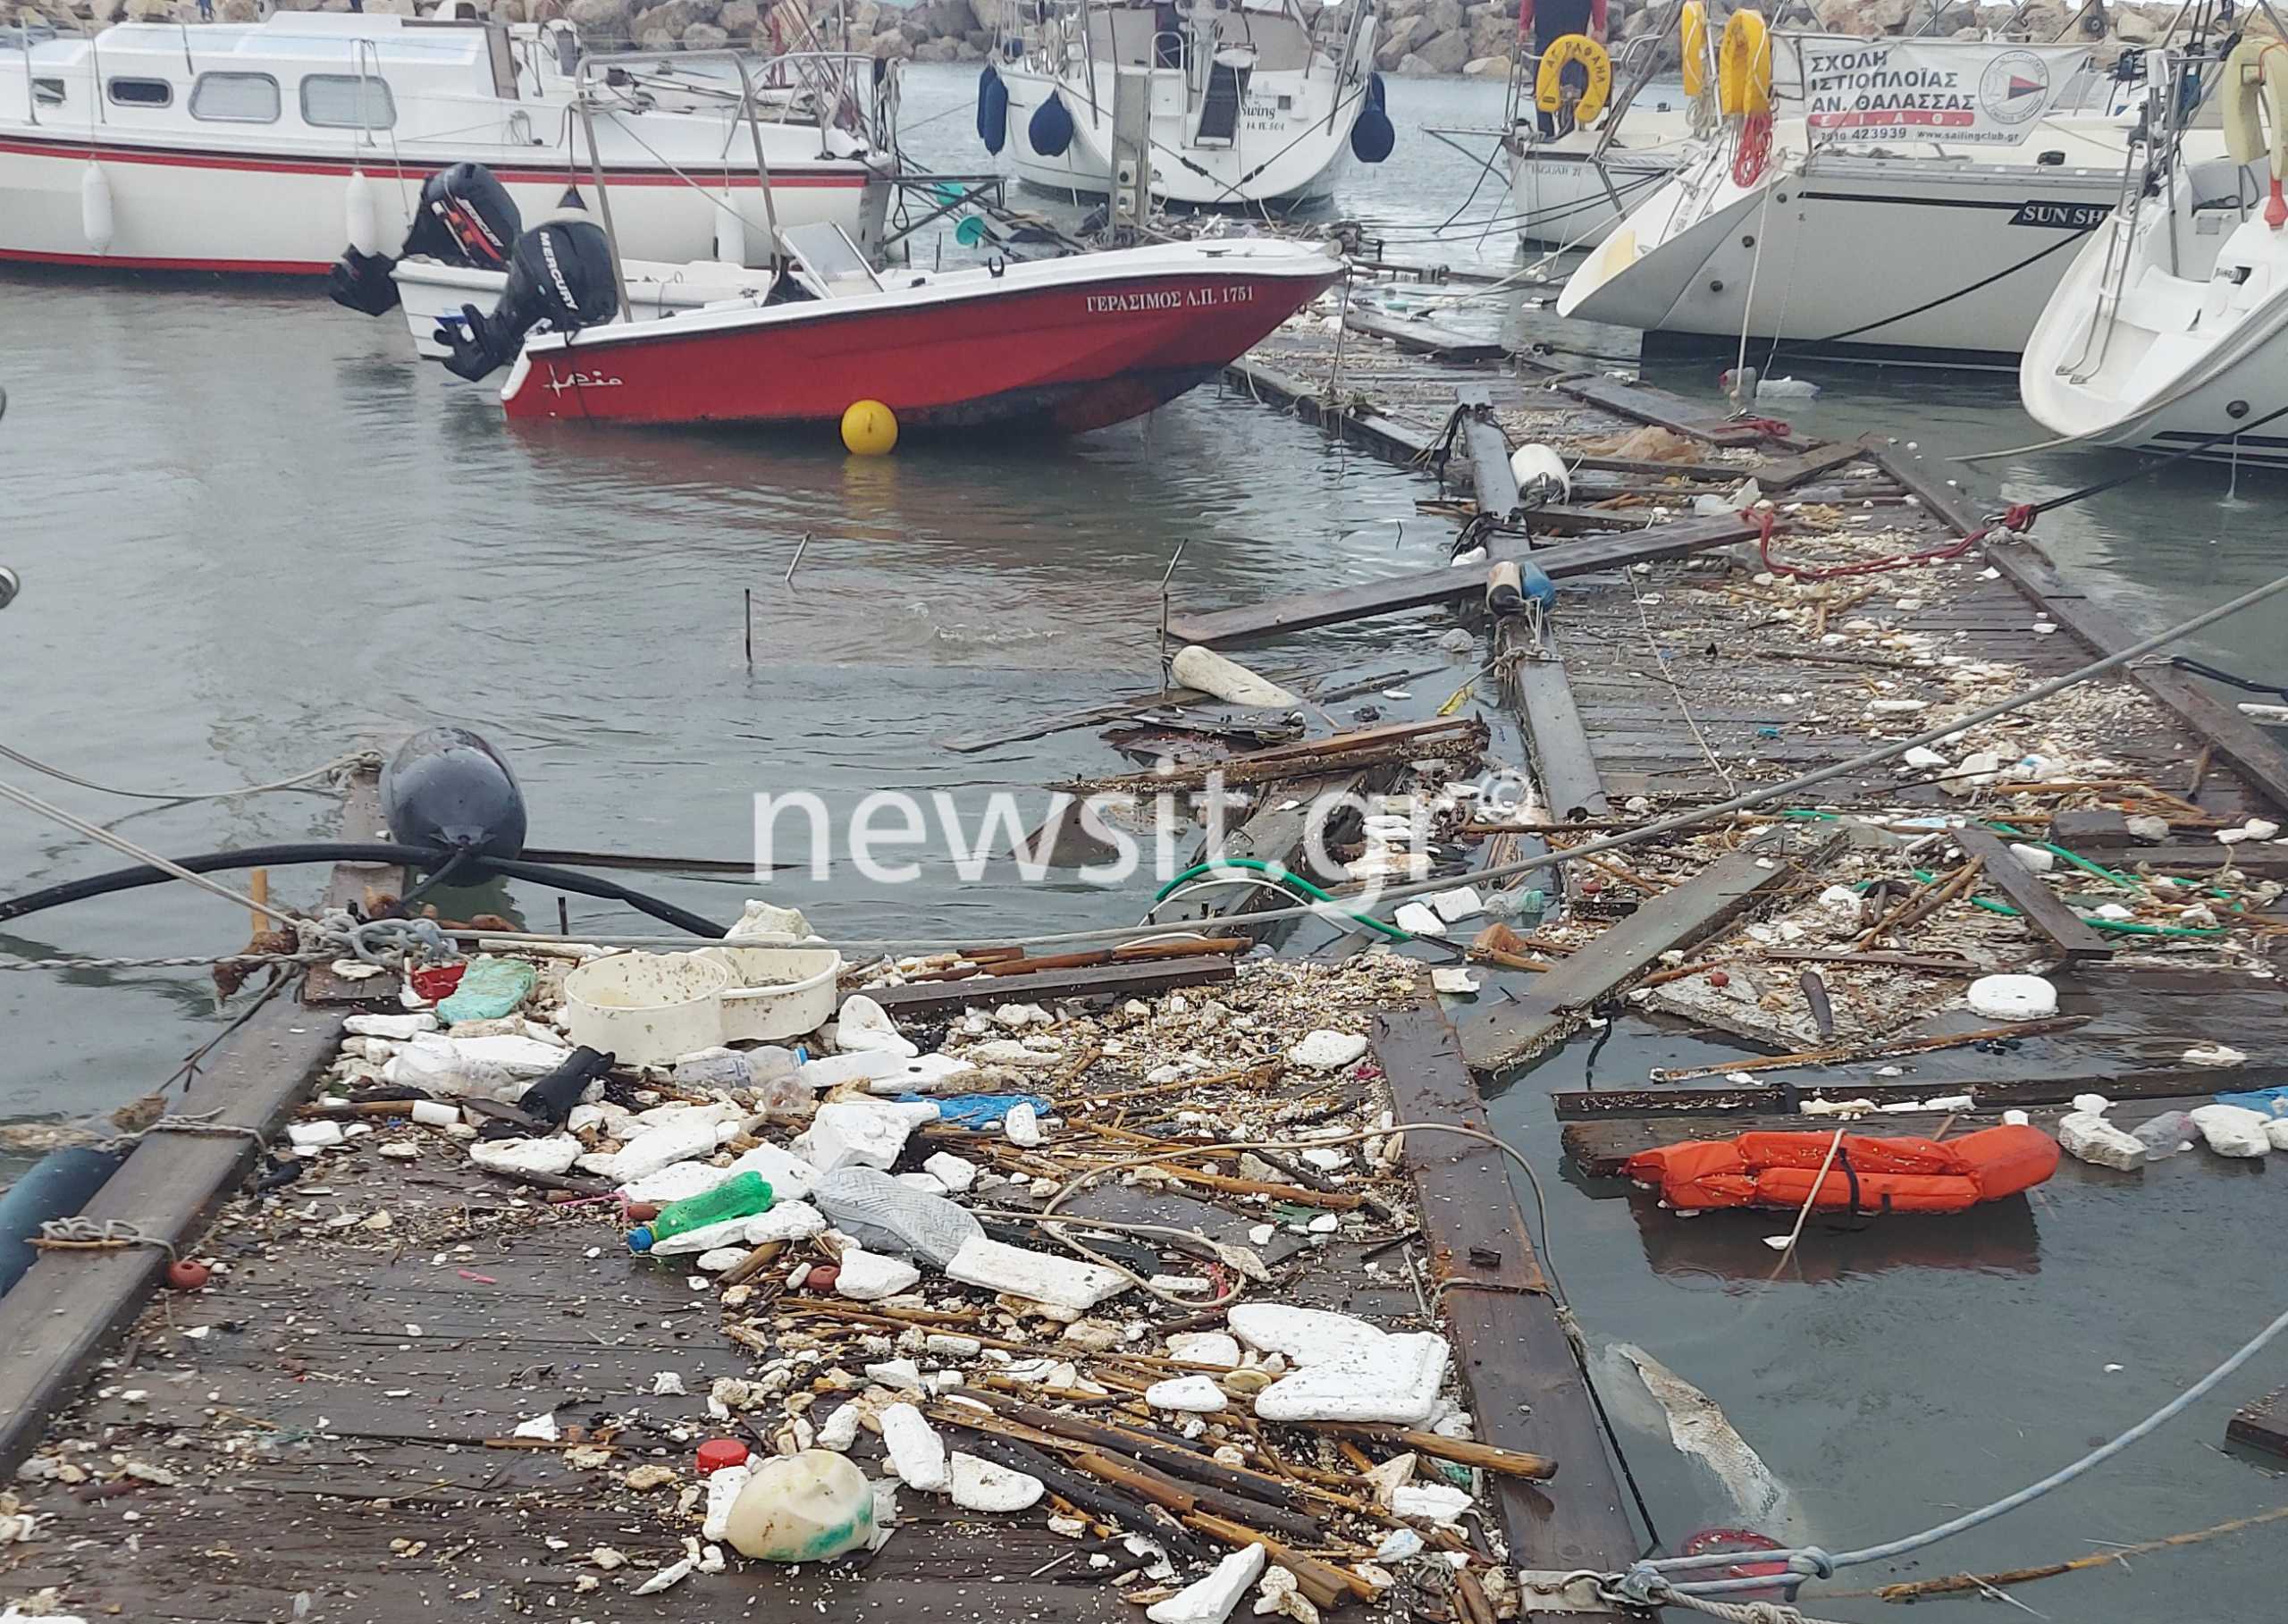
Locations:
column 647, row 1008
column 775, row 992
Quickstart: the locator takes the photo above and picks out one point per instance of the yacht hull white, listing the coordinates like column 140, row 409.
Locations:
column 1565, row 193
column 281, row 194
column 2184, row 342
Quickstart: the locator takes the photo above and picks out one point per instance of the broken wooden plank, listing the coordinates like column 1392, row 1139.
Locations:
column 1451, row 738
column 1789, row 471
column 357, row 887
column 1426, row 588
column 1131, row 979
column 1424, row 338
column 2261, row 1423
column 1508, row 1339
column 1660, row 409
column 2042, row 908
column 1678, row 1100
column 1522, row 1029
column 1379, row 433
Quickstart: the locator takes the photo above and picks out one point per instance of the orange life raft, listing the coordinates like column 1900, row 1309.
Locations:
column 1868, row 1175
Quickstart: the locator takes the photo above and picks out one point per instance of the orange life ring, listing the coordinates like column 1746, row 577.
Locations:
column 1777, row 1169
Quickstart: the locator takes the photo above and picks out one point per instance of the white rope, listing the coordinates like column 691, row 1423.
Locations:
column 340, row 763
column 126, row 847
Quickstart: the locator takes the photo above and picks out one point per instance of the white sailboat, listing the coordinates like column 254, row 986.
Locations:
column 1919, row 204
column 2170, row 330
column 260, row 148
column 1252, row 104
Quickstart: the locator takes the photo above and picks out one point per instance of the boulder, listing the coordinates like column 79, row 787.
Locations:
column 892, row 46
column 1443, row 16
column 939, row 50
column 946, row 19
column 673, row 18
column 606, row 19
column 2134, row 25
column 1491, row 34
column 1444, row 54
column 153, row 10
column 704, row 36
column 1486, row 67
column 739, row 18
column 1398, row 9
column 1398, row 41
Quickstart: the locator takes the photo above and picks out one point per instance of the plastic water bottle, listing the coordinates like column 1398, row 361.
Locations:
column 2166, row 1135
column 741, row 1196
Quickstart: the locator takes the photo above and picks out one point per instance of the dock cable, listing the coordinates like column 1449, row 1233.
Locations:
column 340, row 764
column 2247, row 685
column 1652, row 1582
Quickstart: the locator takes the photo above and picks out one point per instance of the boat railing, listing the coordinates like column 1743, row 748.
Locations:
column 2140, row 160
column 593, row 76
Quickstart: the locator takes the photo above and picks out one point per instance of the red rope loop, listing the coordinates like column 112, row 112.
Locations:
column 1754, row 150
column 1767, row 521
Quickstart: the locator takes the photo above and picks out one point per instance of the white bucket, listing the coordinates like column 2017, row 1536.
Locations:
column 780, row 992
column 647, row 1008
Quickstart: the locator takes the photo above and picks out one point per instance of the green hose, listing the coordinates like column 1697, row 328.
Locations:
column 2122, row 926
column 1280, row 876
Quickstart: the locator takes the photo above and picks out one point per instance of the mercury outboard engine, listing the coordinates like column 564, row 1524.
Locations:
column 559, row 273
column 465, row 218
column 448, row 788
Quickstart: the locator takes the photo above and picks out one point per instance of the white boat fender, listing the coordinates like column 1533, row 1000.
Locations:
column 730, row 235
column 1533, row 463
column 364, row 215
column 1228, row 680
column 95, row 208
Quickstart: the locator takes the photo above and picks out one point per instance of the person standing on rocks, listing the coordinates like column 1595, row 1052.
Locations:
column 1547, row 21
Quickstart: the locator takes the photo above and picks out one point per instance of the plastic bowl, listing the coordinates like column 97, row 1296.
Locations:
column 776, row 992
column 647, row 1008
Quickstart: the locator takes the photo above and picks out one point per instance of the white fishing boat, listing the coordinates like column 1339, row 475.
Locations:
column 2170, row 330
column 1920, row 203
column 1251, row 103
column 260, row 148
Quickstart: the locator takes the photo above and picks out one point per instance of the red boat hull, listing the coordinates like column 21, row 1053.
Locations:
column 1070, row 359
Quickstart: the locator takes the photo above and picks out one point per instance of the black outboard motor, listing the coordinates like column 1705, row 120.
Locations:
column 465, row 218
column 448, row 788
column 559, row 273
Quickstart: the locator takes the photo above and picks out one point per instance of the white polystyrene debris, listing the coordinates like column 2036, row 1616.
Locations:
column 1347, row 1370
column 917, row 1453
column 723, row 1486
column 1398, row 1546
column 1205, row 1348
column 1456, row 978
column 1304, row 1335
column 1972, row 774
column 869, row 1276
column 839, row 1430
column 552, row 1156
column 2113, row 911
column 1419, row 919
column 540, row 1426
column 435, row 1112
column 864, row 1133
column 1022, row 1123
column 864, row 1025
column 1436, row 1501
column 927, row 1074
column 2012, row 997
column 1210, row 1601
column 980, row 1485
column 2040, row 859
column 785, row 1221
column 2015, row 1119
column 313, row 1135
column 1197, row 1394
column 762, row 921
column 667, row 1578
column 898, row 1373
column 1064, row 1282
column 2232, row 1130
column 1228, row 680
column 716, row 1259
column 1453, row 907
column 653, row 1149
column 2214, row 1054
column 1924, row 758
column 2090, row 1138
column 860, row 1065
column 399, row 1027
column 676, row 1182
column 2261, row 829
column 1323, row 1050
column 951, row 1170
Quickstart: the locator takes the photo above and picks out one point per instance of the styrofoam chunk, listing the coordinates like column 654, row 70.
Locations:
column 1210, row 1601
column 790, row 1176
column 861, row 1132
column 861, row 1065
column 1064, row 1282
column 980, row 1485
column 1205, row 1348
column 1419, row 919
column 2012, row 997
column 1458, row 904
column 1395, row 1381
column 1323, row 1050
column 1197, row 1394
column 1430, row 1501
column 2088, row 1137
column 552, row 1155
column 2232, row 1130
column 951, row 1170
column 868, row 1276
column 917, row 1453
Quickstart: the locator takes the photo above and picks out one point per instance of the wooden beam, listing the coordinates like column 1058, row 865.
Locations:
column 2261, row 1423
column 927, row 998
column 1378, row 432
column 1426, row 588
column 2042, row 909
column 1504, row 1034
column 1660, row 409
column 1681, row 1100
column 1789, row 471
column 1424, row 338
column 1525, row 1383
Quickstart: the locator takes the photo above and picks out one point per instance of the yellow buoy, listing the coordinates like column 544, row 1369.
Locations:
column 869, row 429
column 1694, row 43
column 1549, row 84
column 1744, row 65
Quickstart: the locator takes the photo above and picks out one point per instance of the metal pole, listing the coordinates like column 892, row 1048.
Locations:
column 761, row 165
column 580, row 98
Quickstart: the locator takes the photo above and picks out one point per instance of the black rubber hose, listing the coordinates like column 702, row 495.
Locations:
column 346, row 851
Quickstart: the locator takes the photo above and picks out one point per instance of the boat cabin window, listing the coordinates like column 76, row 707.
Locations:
column 48, row 92
column 141, row 92
column 347, row 101
column 235, row 98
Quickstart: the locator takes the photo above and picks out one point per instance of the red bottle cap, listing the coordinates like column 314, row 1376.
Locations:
column 716, row 1453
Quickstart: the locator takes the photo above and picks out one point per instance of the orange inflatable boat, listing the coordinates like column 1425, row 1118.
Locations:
column 1869, row 1175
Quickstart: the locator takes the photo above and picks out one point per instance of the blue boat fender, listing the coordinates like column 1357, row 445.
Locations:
column 992, row 109
column 1372, row 137
column 1050, row 132
column 448, row 787
column 56, row 1186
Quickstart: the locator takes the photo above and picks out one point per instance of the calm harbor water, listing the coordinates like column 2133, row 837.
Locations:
column 254, row 533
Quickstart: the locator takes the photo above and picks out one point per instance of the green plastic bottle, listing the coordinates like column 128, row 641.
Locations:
column 739, row 1196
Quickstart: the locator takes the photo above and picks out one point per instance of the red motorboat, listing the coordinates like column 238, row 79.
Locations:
column 1068, row 344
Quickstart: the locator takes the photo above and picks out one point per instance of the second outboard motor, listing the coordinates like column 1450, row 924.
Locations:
column 559, row 273
column 447, row 787
column 465, row 218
